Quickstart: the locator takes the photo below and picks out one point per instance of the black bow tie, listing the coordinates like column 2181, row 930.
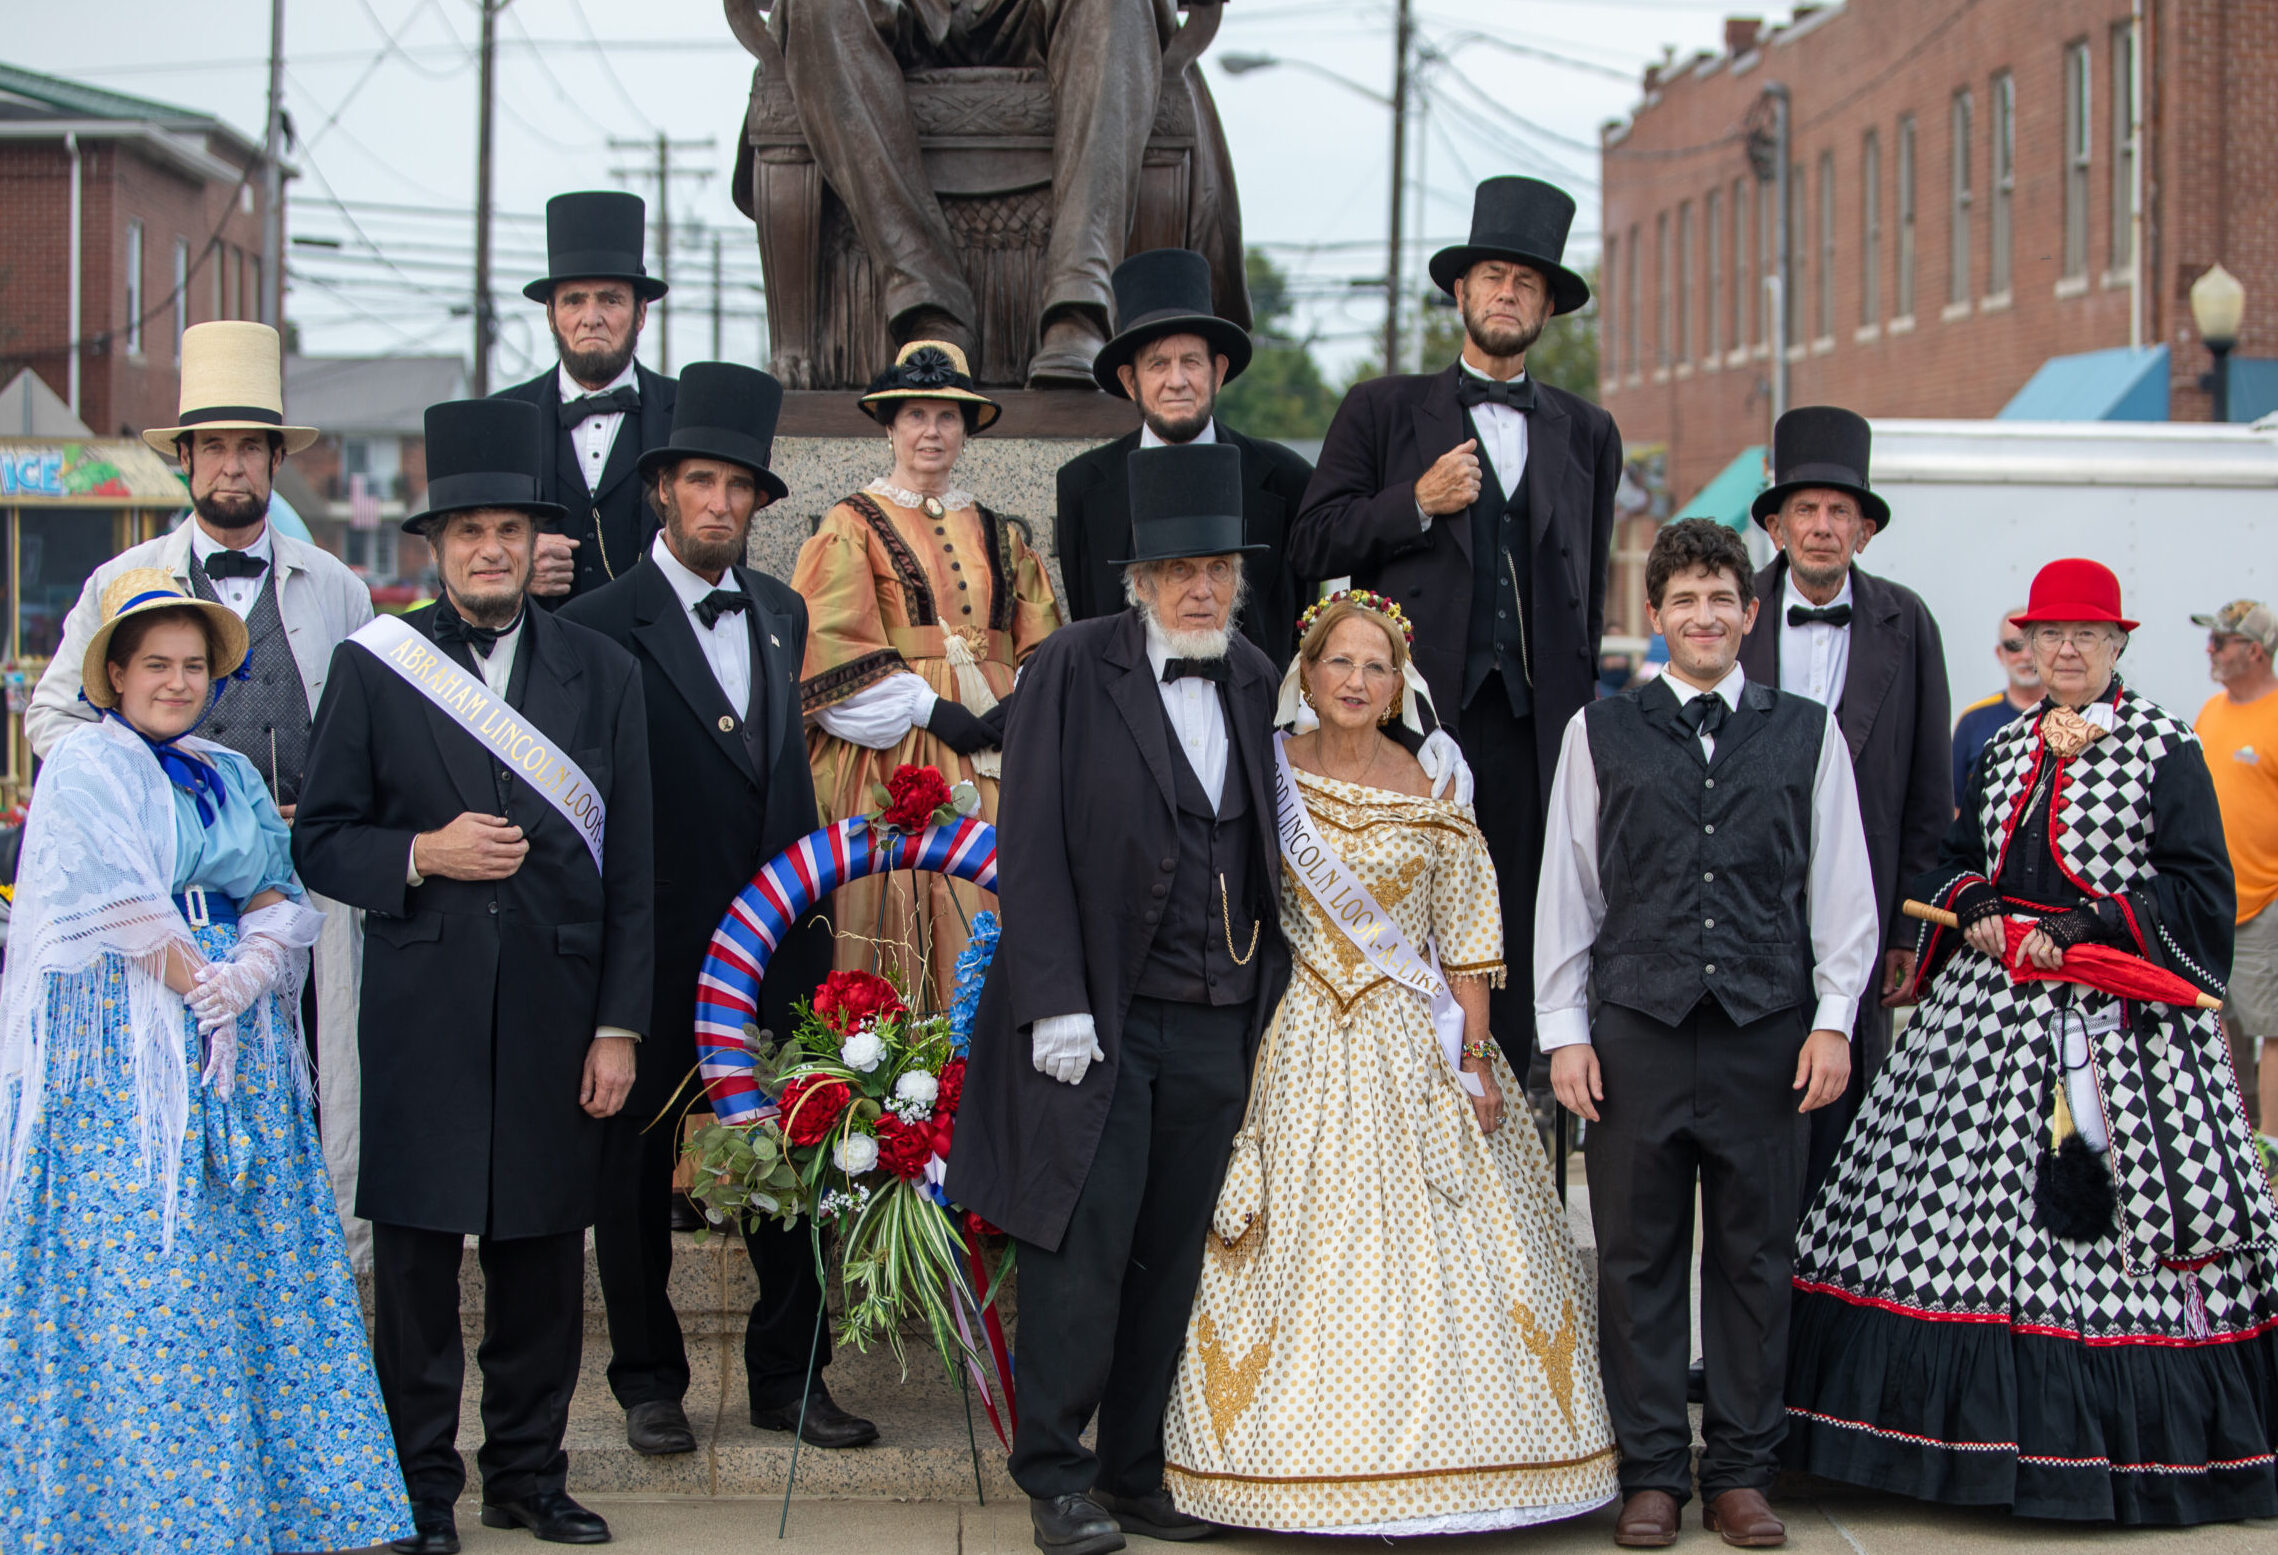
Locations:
column 1833, row 615
column 1704, row 714
column 1208, row 669
column 625, row 397
column 1518, row 394
column 233, row 564
column 718, row 603
column 452, row 627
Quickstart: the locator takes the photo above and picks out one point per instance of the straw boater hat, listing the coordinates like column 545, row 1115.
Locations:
column 927, row 370
column 232, row 377
column 140, row 591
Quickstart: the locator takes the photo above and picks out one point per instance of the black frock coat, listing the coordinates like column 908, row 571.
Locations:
column 481, row 996
column 618, row 509
column 1092, row 533
column 1085, row 820
column 721, row 815
column 1359, row 521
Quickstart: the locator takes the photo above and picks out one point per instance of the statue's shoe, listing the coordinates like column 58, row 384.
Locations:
column 1063, row 360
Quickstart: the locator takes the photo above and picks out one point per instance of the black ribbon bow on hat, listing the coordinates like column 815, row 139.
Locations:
column 1704, row 714
column 1518, row 394
column 625, row 397
column 1833, row 615
column 718, row 603
column 451, row 627
column 1207, row 669
column 233, row 564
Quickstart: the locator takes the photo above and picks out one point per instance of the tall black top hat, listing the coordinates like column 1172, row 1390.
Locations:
column 1186, row 500
column 596, row 235
column 1523, row 219
column 1166, row 291
column 483, row 454
column 1821, row 445
column 725, row 411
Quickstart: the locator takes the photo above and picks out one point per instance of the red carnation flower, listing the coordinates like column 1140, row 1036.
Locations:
column 913, row 794
column 952, row 1088
column 904, row 1148
column 847, row 999
column 976, row 1227
column 810, row 1108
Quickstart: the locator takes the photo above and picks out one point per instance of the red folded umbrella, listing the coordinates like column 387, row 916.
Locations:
column 2094, row 966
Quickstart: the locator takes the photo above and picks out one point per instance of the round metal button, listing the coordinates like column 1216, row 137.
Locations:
column 1153, row 915
column 494, row 909
column 1708, row 874
column 1708, row 923
column 1709, row 783
column 1709, row 970
column 1711, row 830
column 1160, row 889
column 1170, row 864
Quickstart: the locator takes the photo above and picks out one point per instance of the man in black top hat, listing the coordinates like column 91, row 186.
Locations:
column 478, row 783
column 1483, row 502
column 1172, row 355
column 1868, row 650
column 1140, row 961
column 719, row 646
column 602, row 409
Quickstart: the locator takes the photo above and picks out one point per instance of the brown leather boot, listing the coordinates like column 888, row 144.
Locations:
column 1648, row 1521
column 1745, row 1520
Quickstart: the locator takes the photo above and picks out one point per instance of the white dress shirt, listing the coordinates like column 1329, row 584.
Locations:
column 1815, row 658
column 1502, row 441
column 593, row 436
column 1570, row 905
column 1208, row 434
column 1198, row 720
column 727, row 641
column 237, row 593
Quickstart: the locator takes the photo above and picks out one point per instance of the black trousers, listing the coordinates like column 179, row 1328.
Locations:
column 1709, row 1103
column 1131, row 1258
column 533, row 1334
column 1501, row 751
column 632, row 1246
column 1831, row 1124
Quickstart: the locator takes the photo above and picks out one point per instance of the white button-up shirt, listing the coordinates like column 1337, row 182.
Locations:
column 593, row 437
column 727, row 641
column 237, row 593
column 1815, row 658
column 1570, row 905
column 1198, row 720
column 1208, row 434
column 1502, row 437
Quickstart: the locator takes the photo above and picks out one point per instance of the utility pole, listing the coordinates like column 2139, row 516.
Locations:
column 718, row 354
column 664, row 173
column 485, row 312
column 1403, row 32
column 272, row 302
column 1783, row 279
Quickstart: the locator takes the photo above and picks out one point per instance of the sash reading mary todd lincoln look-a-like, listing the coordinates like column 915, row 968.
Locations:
column 499, row 729
column 1347, row 903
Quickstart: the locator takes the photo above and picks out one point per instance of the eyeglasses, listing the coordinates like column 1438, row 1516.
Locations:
column 1341, row 668
column 2080, row 637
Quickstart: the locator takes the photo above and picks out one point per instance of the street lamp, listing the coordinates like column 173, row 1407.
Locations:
column 2218, row 302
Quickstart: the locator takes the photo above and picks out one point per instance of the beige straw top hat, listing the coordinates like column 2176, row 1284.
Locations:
column 144, row 589
column 232, row 377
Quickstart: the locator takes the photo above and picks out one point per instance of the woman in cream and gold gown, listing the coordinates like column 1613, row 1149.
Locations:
column 1401, row 1339
column 921, row 604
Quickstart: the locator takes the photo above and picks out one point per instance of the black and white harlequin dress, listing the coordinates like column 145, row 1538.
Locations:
column 1945, row 1346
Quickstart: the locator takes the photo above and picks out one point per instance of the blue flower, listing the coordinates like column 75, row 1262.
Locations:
column 972, row 967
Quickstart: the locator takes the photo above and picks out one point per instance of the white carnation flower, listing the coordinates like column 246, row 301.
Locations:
column 919, row 1087
column 855, row 1154
column 863, row 1052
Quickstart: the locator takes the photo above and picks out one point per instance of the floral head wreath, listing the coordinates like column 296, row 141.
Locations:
column 1367, row 599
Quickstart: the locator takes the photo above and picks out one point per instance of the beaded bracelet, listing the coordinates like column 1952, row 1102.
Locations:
column 1479, row 1049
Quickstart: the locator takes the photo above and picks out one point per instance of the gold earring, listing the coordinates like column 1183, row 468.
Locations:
column 1393, row 710
column 1305, row 694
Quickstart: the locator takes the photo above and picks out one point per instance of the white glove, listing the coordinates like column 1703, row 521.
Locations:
column 227, row 989
column 1064, row 1046
column 1442, row 761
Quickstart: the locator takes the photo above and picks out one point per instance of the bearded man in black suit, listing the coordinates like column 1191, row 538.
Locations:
column 719, row 646
column 1483, row 502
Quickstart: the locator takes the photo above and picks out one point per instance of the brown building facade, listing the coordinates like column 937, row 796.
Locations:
column 1972, row 189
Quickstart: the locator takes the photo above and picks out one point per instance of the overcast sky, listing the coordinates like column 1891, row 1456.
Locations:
column 382, row 94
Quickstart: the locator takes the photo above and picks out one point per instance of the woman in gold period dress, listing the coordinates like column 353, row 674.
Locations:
column 1402, row 1339
column 921, row 604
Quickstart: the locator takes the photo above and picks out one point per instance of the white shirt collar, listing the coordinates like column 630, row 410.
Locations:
column 689, row 585
column 203, row 545
column 1728, row 688
column 1464, row 362
column 1794, row 596
column 1208, row 434
column 571, row 389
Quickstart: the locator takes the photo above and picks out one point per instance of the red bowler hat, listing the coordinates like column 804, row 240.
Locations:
column 2075, row 589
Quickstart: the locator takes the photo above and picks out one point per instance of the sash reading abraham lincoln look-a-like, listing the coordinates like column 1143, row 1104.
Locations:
column 467, row 702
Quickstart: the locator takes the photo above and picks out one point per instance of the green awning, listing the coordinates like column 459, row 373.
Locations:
column 1726, row 498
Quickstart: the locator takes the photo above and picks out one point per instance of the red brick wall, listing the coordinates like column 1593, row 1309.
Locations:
column 2213, row 193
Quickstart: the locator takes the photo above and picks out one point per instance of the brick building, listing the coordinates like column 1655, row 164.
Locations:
column 169, row 236
column 1967, row 200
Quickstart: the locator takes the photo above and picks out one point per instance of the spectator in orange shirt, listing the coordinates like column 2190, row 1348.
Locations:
column 2239, row 729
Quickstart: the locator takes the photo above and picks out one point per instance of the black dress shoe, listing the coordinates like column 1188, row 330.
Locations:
column 551, row 1515
column 1073, row 1525
column 685, row 1215
column 827, row 1424
column 1157, row 1516
column 434, row 1530
column 659, row 1427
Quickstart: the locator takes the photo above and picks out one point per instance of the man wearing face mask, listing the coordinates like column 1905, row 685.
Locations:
column 479, row 786
column 602, row 409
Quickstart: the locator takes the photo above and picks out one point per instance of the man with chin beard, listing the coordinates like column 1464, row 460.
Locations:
column 602, row 409
column 1483, row 502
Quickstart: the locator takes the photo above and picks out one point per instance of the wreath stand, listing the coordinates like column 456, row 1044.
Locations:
column 727, row 1000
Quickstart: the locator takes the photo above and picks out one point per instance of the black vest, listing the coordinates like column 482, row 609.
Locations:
column 1189, row 961
column 1501, row 538
column 264, row 717
column 1703, row 863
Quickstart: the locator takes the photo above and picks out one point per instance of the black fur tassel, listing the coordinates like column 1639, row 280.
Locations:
column 2073, row 1196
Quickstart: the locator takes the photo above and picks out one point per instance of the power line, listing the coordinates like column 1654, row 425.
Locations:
column 577, row 9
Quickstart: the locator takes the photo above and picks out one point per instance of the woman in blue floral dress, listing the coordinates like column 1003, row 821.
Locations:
column 183, row 1365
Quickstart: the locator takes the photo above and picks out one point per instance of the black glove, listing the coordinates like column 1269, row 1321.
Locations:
column 2067, row 929
column 1975, row 902
column 994, row 719
column 958, row 729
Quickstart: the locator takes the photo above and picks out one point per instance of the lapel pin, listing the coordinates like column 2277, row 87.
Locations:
column 727, row 724
column 774, row 641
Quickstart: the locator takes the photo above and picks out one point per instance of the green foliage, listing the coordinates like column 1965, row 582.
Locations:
column 1282, row 393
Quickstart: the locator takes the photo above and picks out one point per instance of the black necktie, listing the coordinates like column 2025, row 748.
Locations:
column 233, row 564
column 1208, row 669
column 1518, row 394
column 625, row 397
column 1704, row 714
column 451, row 627
column 1833, row 615
column 718, row 603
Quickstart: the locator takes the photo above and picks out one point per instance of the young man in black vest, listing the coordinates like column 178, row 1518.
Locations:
column 1705, row 875
column 719, row 646
column 602, row 409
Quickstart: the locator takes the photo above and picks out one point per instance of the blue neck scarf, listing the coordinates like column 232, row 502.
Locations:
column 185, row 771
